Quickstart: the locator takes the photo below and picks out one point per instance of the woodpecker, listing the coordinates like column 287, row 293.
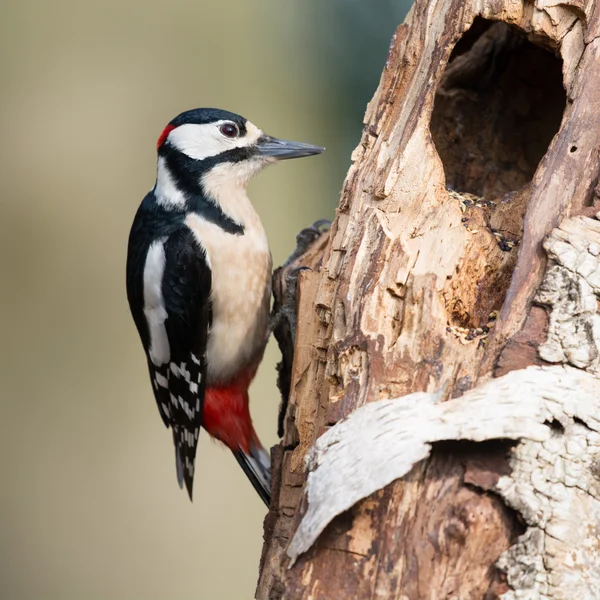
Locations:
column 199, row 283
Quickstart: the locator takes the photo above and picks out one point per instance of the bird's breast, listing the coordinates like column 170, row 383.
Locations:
column 240, row 295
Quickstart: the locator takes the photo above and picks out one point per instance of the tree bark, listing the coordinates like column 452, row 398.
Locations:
column 463, row 251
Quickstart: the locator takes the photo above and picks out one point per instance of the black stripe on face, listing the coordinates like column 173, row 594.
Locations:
column 187, row 173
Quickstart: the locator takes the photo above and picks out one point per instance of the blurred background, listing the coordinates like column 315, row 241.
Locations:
column 89, row 504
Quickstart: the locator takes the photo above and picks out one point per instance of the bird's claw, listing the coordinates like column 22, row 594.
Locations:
column 306, row 237
column 287, row 310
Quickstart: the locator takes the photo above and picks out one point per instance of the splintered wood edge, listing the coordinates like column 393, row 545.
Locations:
column 553, row 411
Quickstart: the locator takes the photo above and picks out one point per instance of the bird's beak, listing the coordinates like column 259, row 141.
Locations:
column 282, row 149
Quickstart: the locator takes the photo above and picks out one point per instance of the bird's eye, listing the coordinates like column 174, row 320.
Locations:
column 229, row 130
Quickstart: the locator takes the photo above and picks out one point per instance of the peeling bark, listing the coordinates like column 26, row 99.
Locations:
column 554, row 412
column 434, row 282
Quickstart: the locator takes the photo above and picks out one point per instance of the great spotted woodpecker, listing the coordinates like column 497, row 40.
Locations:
column 199, row 283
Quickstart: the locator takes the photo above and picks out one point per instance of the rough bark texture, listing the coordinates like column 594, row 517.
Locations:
column 482, row 137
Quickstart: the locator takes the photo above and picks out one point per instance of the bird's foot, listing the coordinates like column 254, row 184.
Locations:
column 283, row 316
column 306, row 237
column 286, row 311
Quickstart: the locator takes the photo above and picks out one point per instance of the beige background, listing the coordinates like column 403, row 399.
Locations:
column 89, row 505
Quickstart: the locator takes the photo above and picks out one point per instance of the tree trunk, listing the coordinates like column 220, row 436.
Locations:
column 446, row 354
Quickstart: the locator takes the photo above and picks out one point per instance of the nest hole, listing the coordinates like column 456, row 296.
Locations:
column 498, row 106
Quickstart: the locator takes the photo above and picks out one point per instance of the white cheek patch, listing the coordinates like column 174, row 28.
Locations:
column 203, row 141
column 154, row 307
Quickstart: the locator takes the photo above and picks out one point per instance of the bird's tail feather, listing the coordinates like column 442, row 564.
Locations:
column 184, row 459
column 178, row 465
column 257, row 466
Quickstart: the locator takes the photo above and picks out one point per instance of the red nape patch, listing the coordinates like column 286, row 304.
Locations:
column 163, row 136
column 226, row 416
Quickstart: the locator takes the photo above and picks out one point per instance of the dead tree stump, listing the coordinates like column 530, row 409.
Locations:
column 461, row 280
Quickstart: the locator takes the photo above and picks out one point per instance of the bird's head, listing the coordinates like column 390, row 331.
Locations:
column 211, row 142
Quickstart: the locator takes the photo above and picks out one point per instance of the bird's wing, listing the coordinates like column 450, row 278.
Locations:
column 177, row 348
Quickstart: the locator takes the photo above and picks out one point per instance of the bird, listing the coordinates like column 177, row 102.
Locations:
column 198, row 281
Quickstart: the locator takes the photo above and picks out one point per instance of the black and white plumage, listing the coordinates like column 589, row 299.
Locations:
column 169, row 287
column 198, row 282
